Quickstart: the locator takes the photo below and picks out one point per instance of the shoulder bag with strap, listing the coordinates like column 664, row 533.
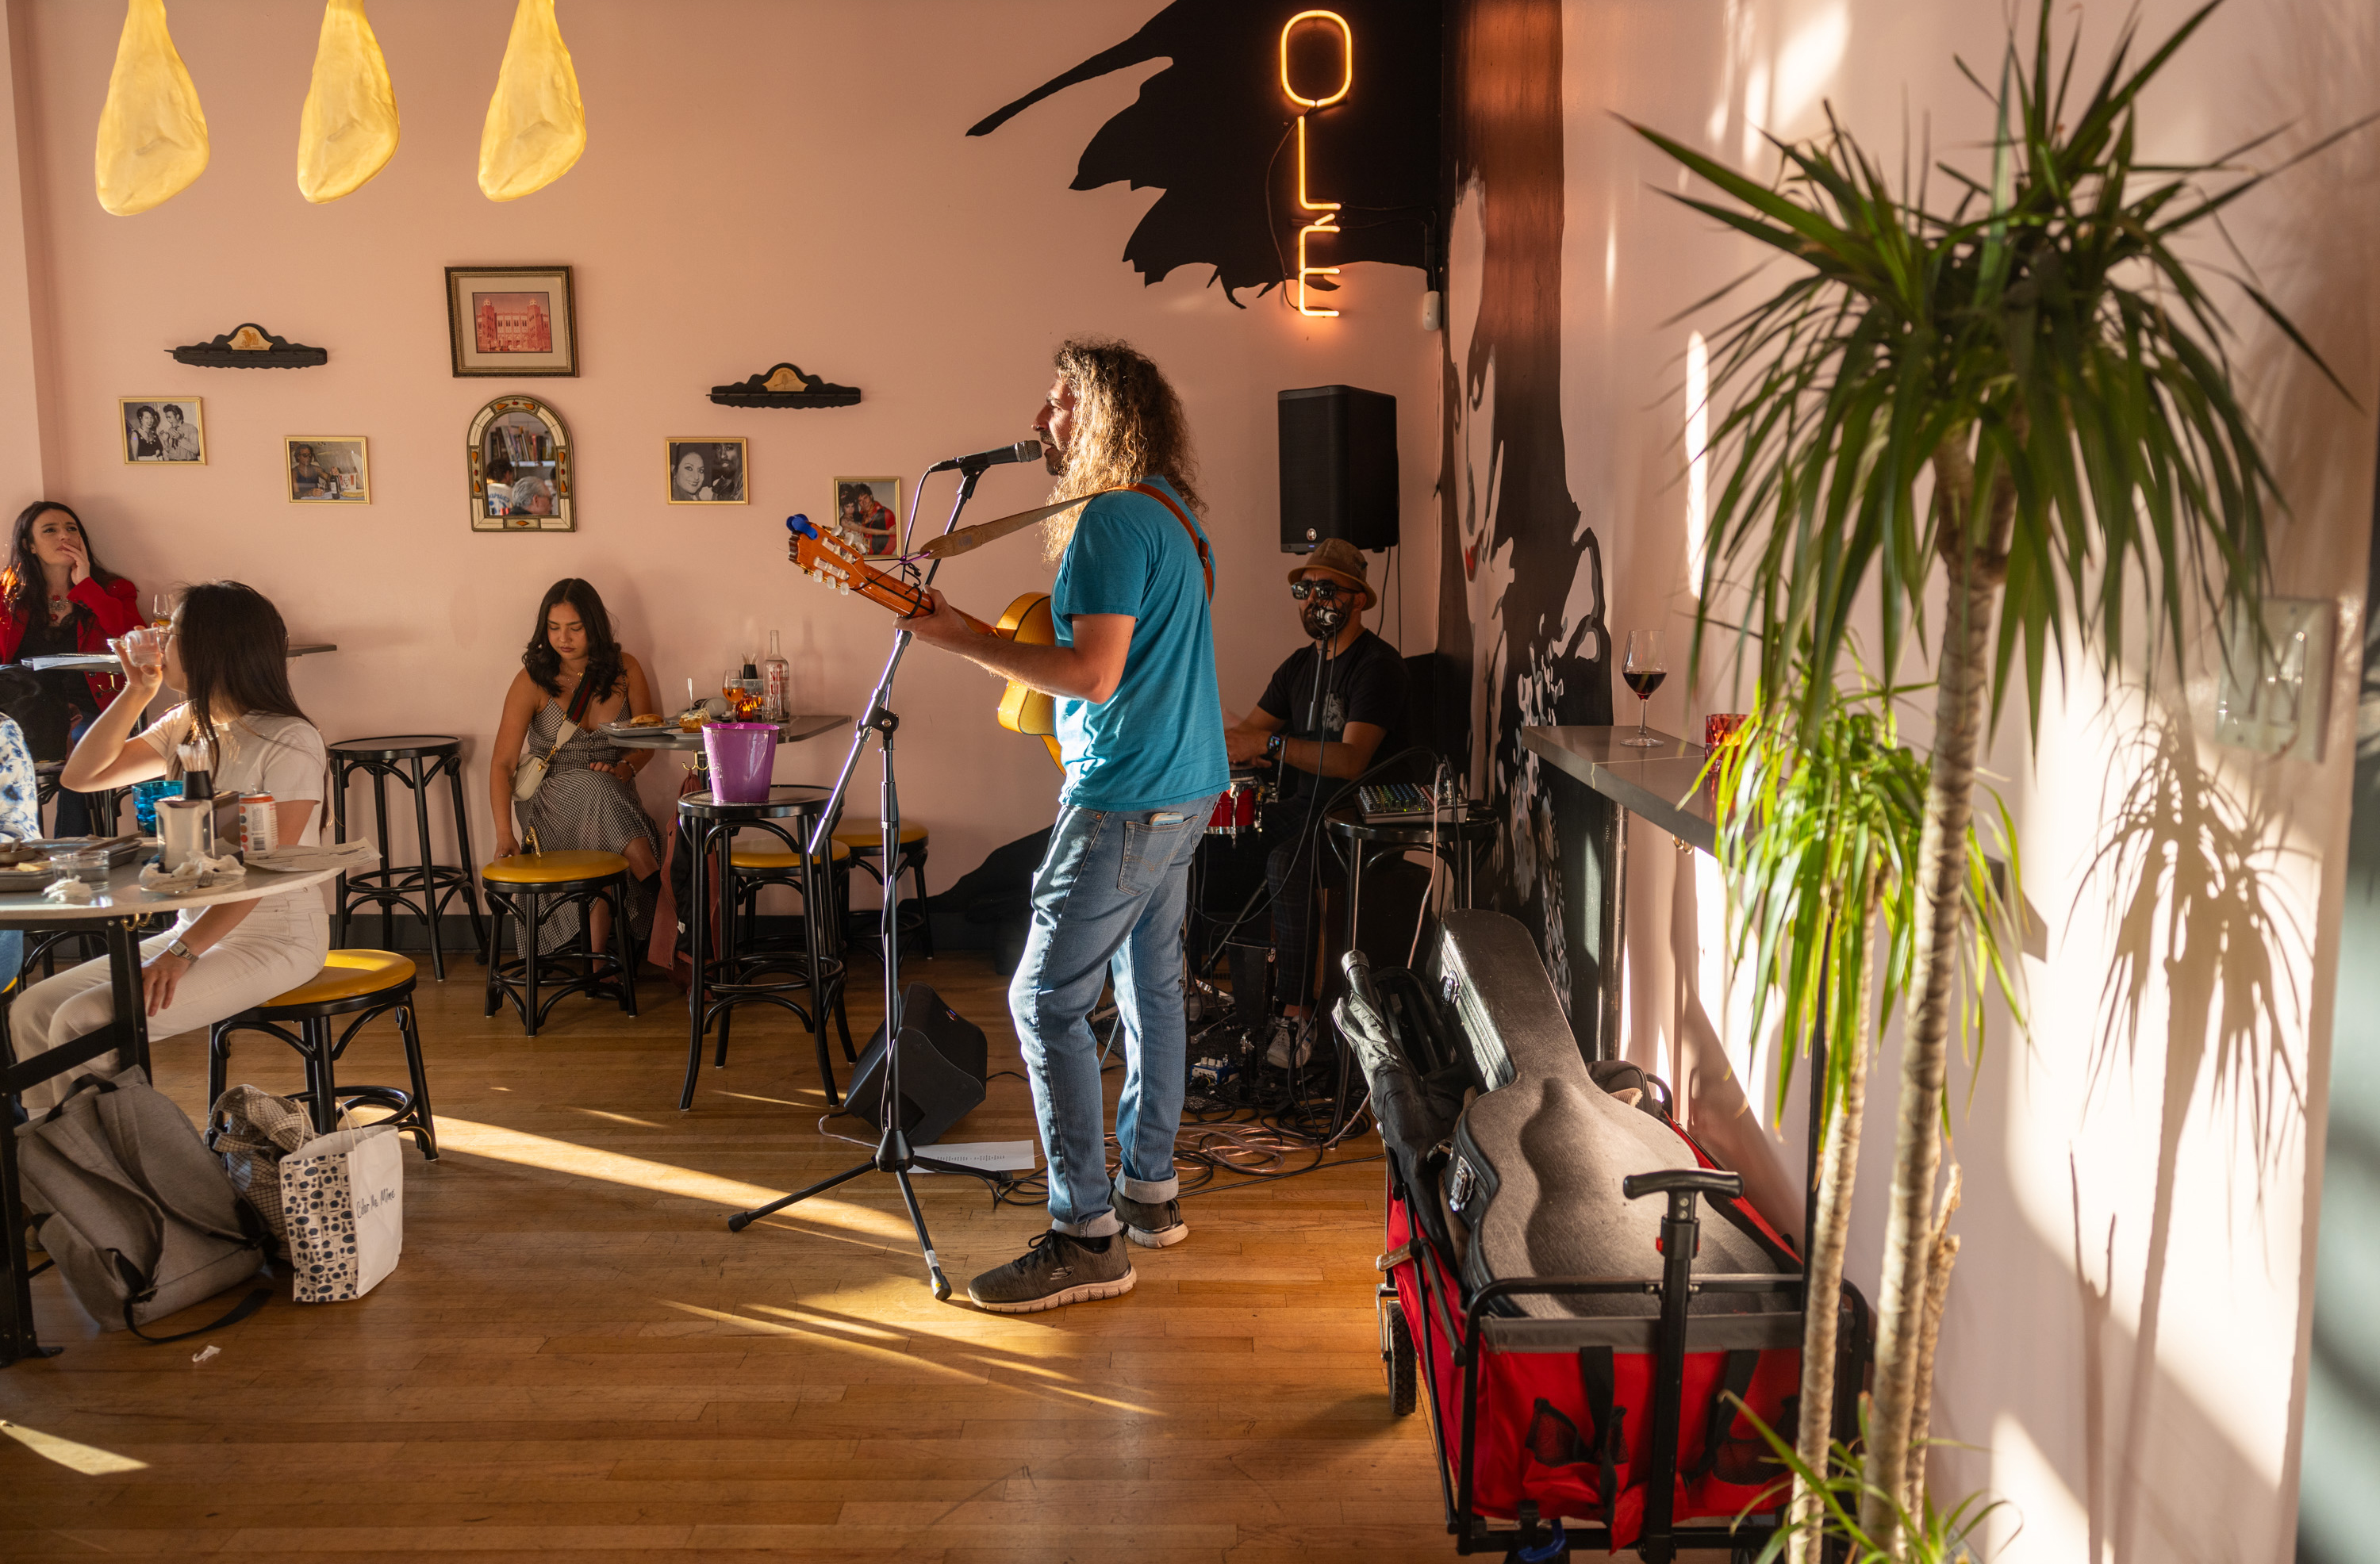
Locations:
column 530, row 774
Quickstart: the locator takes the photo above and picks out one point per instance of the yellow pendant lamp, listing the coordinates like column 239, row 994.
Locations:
column 536, row 124
column 347, row 131
column 152, row 135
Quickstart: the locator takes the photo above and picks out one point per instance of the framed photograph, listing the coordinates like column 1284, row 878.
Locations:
column 705, row 471
column 520, row 456
column 163, row 428
column 327, row 470
column 868, row 511
column 512, row 320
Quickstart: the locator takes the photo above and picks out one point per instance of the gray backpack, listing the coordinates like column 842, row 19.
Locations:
column 136, row 1212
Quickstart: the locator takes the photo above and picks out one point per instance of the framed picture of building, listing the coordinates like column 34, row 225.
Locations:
column 518, row 457
column 512, row 320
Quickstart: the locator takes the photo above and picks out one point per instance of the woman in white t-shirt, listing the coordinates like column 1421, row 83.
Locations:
column 230, row 652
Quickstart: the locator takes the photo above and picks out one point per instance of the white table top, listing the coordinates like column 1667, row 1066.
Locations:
column 108, row 663
column 791, row 731
column 123, row 896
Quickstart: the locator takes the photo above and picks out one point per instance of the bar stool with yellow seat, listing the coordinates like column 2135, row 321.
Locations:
column 531, row 887
column 758, row 866
column 366, row 985
column 866, row 844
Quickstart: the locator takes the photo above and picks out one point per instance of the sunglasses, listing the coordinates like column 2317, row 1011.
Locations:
column 1323, row 591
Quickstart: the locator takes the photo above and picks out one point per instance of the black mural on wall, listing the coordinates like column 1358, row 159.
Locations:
column 1521, row 580
column 1211, row 131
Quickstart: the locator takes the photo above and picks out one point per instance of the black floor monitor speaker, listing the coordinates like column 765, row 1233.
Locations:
column 1338, row 468
column 943, row 1066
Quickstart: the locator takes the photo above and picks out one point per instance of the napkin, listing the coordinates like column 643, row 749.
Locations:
column 195, row 874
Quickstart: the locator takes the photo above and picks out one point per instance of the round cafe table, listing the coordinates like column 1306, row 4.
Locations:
column 120, row 902
column 669, row 736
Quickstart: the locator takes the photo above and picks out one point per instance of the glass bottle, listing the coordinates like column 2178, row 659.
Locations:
column 776, row 684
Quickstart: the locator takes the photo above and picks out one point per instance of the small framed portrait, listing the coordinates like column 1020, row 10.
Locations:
column 868, row 511
column 519, row 460
column 327, row 470
column 163, row 428
column 705, row 471
column 512, row 320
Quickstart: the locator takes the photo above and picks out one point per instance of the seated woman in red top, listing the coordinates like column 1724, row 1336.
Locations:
column 55, row 598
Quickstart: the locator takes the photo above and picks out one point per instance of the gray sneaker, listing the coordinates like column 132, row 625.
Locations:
column 1053, row 1271
column 1292, row 1042
column 1151, row 1226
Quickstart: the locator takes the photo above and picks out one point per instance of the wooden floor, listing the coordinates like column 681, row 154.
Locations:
column 575, row 1356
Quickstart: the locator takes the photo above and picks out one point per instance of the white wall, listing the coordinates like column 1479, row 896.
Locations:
column 2189, row 1454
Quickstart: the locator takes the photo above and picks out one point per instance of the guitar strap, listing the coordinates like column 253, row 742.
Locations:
column 1196, row 541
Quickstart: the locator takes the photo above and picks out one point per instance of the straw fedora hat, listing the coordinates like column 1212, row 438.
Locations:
column 1336, row 556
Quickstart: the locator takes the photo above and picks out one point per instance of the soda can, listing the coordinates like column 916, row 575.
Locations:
column 260, row 823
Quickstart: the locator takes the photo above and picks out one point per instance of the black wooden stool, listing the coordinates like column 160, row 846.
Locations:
column 820, row 930
column 423, row 888
column 727, row 973
column 366, row 985
column 866, row 844
column 531, row 887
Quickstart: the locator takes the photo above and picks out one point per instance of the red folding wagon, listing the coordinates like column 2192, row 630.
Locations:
column 1588, row 1299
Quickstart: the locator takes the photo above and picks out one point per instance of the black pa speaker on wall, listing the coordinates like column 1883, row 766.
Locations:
column 1338, row 468
column 942, row 1065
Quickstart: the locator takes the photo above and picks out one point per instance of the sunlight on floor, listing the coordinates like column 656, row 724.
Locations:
column 582, row 1161
column 89, row 1460
column 846, row 1333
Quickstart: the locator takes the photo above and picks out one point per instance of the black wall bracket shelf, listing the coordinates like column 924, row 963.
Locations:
column 250, row 347
column 785, row 385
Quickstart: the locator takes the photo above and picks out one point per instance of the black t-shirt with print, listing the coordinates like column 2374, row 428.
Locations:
column 1364, row 683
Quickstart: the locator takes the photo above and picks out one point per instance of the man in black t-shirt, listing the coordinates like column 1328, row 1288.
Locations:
column 1331, row 709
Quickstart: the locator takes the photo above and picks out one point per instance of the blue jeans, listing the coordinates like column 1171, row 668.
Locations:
column 1107, row 902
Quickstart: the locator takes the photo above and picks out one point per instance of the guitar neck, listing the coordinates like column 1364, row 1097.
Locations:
column 885, row 590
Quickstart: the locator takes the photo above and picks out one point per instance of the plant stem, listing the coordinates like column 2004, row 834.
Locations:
column 1828, row 1238
column 1943, row 1252
column 1976, row 568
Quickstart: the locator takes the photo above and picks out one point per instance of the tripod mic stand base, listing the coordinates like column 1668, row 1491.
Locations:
column 899, row 1169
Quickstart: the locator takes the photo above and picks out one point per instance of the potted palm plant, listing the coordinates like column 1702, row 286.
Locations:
column 1821, row 826
column 2027, row 395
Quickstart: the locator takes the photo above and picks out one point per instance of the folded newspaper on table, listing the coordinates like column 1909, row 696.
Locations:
column 299, row 859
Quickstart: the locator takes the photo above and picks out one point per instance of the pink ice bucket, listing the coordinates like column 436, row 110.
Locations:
column 742, row 755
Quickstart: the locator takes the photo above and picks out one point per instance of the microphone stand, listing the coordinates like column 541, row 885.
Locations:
column 895, row 1155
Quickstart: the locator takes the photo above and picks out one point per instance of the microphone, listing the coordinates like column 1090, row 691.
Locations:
column 1023, row 451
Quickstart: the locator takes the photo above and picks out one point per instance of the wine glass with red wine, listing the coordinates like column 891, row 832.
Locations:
column 1644, row 671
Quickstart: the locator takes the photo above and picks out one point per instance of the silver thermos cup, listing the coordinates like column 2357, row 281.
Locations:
column 186, row 830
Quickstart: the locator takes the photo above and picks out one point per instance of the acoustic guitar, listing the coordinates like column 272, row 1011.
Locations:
column 830, row 558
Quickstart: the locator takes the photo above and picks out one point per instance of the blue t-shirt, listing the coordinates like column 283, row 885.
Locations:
column 1157, row 741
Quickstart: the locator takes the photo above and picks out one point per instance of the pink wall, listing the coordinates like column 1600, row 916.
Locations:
column 763, row 181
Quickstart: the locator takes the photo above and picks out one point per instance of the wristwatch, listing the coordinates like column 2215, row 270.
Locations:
column 178, row 948
column 1273, row 746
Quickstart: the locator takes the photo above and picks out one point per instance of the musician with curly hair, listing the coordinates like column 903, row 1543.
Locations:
column 1140, row 730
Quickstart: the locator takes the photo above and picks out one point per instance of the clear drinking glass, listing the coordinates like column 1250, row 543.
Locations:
column 140, row 647
column 1644, row 671
column 160, row 610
